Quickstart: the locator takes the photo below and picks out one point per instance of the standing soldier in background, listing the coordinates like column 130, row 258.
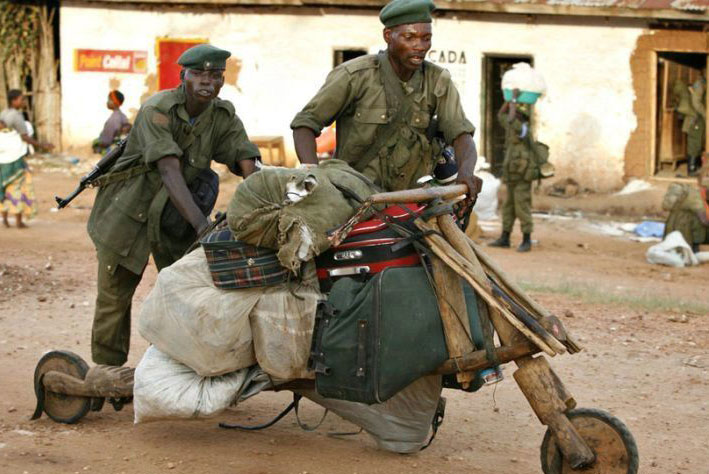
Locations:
column 690, row 104
column 389, row 106
column 518, row 172
column 157, row 197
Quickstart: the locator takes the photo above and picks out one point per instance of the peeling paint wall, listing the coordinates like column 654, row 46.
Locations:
column 281, row 59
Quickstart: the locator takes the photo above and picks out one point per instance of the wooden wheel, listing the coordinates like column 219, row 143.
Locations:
column 60, row 407
column 607, row 436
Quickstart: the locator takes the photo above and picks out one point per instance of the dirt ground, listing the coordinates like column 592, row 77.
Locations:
column 646, row 360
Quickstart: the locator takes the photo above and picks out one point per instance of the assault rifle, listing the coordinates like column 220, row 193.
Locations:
column 104, row 164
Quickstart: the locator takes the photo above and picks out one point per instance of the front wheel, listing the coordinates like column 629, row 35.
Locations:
column 607, row 436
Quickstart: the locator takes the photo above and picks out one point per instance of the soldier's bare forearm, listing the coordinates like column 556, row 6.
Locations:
column 245, row 167
column 305, row 146
column 466, row 156
column 169, row 168
column 465, row 151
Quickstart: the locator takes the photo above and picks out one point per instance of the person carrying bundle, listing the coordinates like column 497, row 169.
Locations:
column 514, row 118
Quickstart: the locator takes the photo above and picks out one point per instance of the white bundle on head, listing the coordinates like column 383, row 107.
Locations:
column 525, row 78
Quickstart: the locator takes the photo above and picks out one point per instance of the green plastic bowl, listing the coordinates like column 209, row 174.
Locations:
column 525, row 97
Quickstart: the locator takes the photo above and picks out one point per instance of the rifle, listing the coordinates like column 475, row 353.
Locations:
column 104, row 164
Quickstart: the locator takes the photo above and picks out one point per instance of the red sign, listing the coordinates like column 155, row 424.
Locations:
column 168, row 51
column 94, row 60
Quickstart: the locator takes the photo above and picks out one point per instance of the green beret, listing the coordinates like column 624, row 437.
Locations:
column 403, row 12
column 204, row 57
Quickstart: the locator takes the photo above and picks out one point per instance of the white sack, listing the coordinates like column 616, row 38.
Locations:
column 192, row 321
column 164, row 388
column 12, row 148
column 486, row 205
column 523, row 77
column 400, row 424
column 282, row 326
column 673, row 251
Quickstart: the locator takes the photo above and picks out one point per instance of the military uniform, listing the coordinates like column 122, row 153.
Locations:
column 375, row 109
column 684, row 215
column 518, row 171
column 690, row 104
column 125, row 222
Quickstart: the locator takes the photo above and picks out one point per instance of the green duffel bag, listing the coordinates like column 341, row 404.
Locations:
column 373, row 338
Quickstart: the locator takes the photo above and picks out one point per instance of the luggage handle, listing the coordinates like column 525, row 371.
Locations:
column 349, row 271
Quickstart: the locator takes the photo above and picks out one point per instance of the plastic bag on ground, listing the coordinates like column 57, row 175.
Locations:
column 650, row 229
column 487, row 203
column 673, row 251
column 401, row 424
column 192, row 321
column 165, row 388
column 282, row 326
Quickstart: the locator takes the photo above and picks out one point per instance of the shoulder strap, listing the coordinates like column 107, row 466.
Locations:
column 398, row 105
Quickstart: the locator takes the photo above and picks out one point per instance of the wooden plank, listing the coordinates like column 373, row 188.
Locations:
column 451, row 306
column 456, row 261
column 478, row 360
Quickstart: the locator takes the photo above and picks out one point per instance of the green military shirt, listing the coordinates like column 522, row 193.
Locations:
column 125, row 219
column 354, row 95
column 517, row 164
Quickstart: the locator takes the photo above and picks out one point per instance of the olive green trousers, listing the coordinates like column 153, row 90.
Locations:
column 689, row 225
column 695, row 138
column 518, row 205
column 110, row 334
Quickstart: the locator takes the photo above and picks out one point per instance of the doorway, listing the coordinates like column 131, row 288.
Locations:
column 168, row 50
column 494, row 66
column 676, row 73
column 343, row 55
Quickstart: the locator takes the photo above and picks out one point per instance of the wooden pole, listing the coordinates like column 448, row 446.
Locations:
column 483, row 287
column 534, row 308
column 419, row 195
column 454, row 315
column 457, row 263
column 478, row 360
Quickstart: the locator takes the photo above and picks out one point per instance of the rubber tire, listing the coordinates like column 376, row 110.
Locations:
column 618, row 426
column 82, row 405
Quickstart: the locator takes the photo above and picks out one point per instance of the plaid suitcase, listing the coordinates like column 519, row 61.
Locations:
column 234, row 264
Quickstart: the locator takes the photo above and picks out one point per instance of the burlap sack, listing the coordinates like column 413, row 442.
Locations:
column 263, row 212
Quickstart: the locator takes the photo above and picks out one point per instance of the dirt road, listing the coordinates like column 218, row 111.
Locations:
column 640, row 363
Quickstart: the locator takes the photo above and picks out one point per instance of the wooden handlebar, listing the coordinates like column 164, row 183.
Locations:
column 419, row 195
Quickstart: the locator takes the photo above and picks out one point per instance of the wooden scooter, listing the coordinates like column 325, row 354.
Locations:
column 577, row 440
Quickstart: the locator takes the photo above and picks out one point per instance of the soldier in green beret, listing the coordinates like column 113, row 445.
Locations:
column 389, row 106
column 157, row 197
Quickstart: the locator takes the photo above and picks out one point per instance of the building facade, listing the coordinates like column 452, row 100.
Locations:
column 601, row 115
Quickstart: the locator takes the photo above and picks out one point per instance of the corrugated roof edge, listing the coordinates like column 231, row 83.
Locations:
column 689, row 10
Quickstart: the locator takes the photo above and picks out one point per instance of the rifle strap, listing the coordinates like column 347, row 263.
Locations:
column 121, row 175
column 398, row 109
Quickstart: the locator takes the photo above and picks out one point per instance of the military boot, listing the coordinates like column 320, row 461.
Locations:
column 503, row 241
column 692, row 165
column 526, row 244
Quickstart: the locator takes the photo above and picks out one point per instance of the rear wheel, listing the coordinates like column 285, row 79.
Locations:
column 607, row 436
column 60, row 407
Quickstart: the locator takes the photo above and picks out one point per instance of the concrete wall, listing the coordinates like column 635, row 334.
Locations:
column 586, row 118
